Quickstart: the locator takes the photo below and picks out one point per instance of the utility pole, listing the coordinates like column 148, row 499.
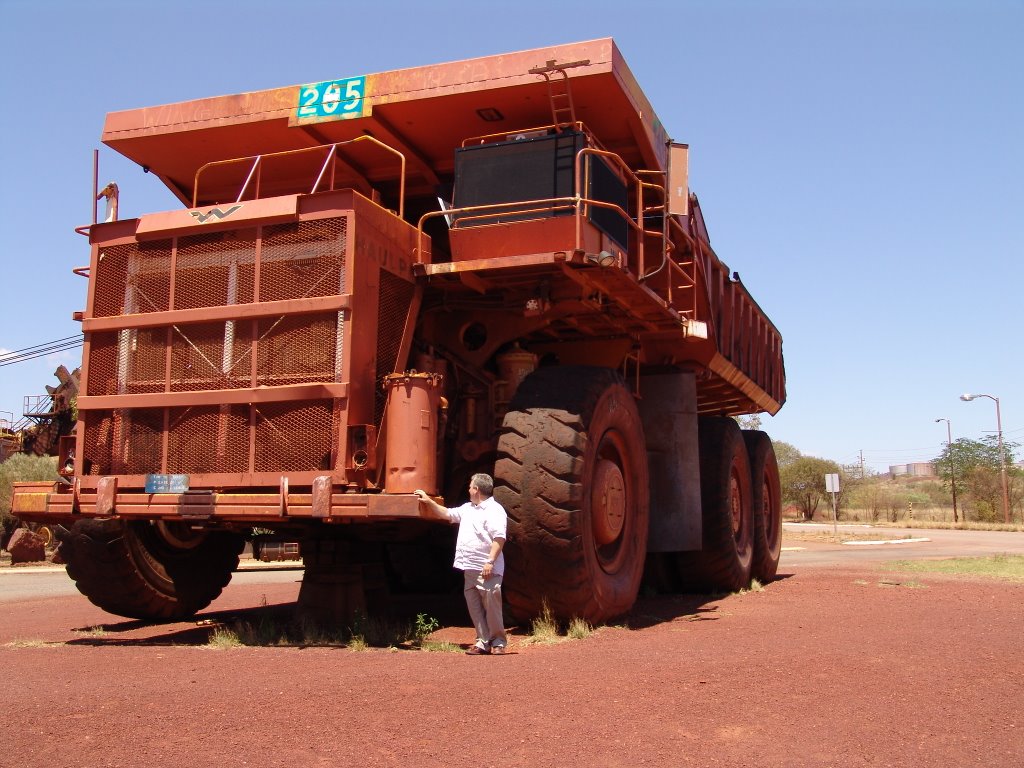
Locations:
column 861, row 463
column 952, row 465
column 1002, row 453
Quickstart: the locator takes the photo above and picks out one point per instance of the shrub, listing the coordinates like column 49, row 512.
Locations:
column 21, row 467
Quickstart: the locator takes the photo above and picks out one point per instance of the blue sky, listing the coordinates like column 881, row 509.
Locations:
column 860, row 164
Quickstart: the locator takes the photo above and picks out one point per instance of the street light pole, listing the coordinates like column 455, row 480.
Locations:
column 952, row 466
column 1002, row 454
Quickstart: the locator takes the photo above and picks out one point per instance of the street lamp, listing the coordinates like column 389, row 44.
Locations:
column 952, row 470
column 1002, row 456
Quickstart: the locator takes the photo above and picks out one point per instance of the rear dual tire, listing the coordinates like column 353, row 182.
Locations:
column 727, row 524
column 767, row 505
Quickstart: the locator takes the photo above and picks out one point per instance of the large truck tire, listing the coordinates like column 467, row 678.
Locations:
column 147, row 571
column 724, row 562
column 572, row 474
column 766, row 492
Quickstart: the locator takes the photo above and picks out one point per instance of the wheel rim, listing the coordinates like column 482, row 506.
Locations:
column 609, row 503
column 736, row 504
column 180, row 535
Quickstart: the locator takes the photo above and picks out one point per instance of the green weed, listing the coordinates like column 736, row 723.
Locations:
column 579, row 629
column 1006, row 567
column 223, row 638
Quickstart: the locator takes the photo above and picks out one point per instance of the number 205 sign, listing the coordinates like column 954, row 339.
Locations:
column 331, row 100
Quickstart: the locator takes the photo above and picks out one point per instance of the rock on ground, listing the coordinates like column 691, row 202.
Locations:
column 26, row 547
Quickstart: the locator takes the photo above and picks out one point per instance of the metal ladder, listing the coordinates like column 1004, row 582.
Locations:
column 563, row 111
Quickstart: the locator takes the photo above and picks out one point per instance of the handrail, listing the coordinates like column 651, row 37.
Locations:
column 672, row 229
column 493, row 210
column 252, row 172
column 496, row 209
column 583, row 182
column 490, row 137
column 332, row 149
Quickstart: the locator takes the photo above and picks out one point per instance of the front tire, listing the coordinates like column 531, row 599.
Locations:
column 154, row 572
column 572, row 475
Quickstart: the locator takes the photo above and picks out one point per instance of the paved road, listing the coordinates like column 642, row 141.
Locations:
column 31, row 582
column 940, row 544
column 50, row 581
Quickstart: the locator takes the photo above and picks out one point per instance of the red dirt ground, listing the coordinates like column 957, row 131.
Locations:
column 823, row 667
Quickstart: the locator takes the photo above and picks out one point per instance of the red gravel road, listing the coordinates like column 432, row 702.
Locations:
column 825, row 667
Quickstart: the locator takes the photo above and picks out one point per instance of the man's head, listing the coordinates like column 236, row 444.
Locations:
column 481, row 487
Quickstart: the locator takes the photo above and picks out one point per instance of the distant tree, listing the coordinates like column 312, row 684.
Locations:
column 850, row 481
column 803, row 482
column 785, row 453
column 21, row 467
column 977, row 467
column 749, row 421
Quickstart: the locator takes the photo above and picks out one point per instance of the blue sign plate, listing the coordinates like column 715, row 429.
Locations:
column 166, row 483
column 331, row 100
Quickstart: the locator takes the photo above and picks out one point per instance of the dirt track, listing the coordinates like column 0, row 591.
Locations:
column 824, row 667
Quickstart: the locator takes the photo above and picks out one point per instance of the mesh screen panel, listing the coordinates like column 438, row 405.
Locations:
column 98, row 442
column 133, row 278
column 102, row 373
column 110, row 280
column 294, row 437
column 301, row 348
column 142, row 431
column 212, row 438
column 214, row 270
column 303, row 259
column 198, row 359
column 142, row 353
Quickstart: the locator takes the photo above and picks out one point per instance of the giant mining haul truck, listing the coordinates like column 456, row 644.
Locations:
column 392, row 281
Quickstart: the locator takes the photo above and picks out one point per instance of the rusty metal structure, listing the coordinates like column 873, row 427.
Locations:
column 391, row 281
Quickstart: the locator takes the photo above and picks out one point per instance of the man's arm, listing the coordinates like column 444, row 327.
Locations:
column 435, row 509
column 496, row 547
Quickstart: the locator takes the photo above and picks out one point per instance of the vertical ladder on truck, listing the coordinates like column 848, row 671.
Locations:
column 563, row 111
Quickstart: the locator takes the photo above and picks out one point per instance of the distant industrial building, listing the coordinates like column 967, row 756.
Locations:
column 917, row 469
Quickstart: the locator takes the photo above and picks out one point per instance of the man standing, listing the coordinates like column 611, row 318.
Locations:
column 482, row 525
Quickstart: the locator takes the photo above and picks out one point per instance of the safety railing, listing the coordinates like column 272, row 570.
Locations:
column 680, row 270
column 38, row 406
column 327, row 169
column 539, row 130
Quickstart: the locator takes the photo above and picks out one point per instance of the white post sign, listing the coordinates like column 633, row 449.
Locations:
column 832, row 486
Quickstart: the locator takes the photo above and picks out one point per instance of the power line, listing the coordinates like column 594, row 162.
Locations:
column 41, row 350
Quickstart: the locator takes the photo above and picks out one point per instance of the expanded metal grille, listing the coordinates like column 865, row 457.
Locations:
column 103, row 355
column 211, row 438
column 142, row 440
column 297, row 349
column 287, row 262
column 303, row 259
column 294, row 437
column 211, row 356
column 98, row 443
column 132, row 279
column 215, row 270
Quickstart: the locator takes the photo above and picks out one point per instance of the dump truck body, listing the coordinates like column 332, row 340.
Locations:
column 380, row 283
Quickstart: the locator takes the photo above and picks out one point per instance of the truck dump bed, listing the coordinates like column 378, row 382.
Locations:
column 681, row 307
